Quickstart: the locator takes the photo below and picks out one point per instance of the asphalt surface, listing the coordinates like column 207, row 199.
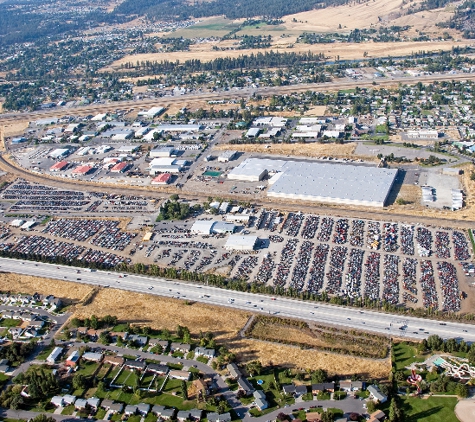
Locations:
column 377, row 322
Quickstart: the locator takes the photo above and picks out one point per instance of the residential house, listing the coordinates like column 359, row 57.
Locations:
column 57, row 401
column 93, row 402
column 261, row 401
column 234, row 371
column 130, row 409
column 182, row 415
column 157, row 369
column 36, row 324
column 135, row 364
column 93, row 357
column 107, row 403
column 80, row 404
column 168, row 414
column 157, row 410
column 300, row 390
column 139, row 340
column 202, row 351
column 180, row 347
column 181, row 375
column 114, row 360
column 69, row 399
column 114, row 335
column 377, row 416
column 351, row 385
column 54, row 355
column 324, row 386
column 288, row 389
column 156, row 342
column 4, row 368
column 245, row 385
column 116, row 408
column 215, row 417
column 376, row 395
column 196, row 414
column 143, row 408
column 73, row 359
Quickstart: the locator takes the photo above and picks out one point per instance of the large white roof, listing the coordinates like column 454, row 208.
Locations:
column 239, row 242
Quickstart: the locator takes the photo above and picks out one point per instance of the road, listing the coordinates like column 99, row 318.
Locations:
column 239, row 93
column 373, row 321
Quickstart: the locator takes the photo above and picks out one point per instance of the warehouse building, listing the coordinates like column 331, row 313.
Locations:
column 59, row 153
column 119, row 168
column 129, row 149
column 227, row 156
column 422, row 134
column 82, row 170
column 162, row 179
column 162, row 151
column 333, row 183
column 255, row 169
column 164, row 165
column 60, row 165
column 212, row 227
column 237, row 242
column 253, row 132
column 153, row 112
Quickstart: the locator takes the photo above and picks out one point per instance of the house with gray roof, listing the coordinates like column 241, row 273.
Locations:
column 245, row 386
column 130, row 409
column 183, row 415
column 234, row 370
column 375, row 394
column 143, row 408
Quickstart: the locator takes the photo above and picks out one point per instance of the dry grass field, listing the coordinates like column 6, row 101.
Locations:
column 14, row 129
column 313, row 149
column 344, row 51
column 15, row 283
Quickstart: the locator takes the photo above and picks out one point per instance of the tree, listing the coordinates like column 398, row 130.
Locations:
column 370, row 406
column 471, row 354
column 319, row 376
column 43, row 418
column 282, row 416
column 79, row 382
column 461, row 390
column 395, row 413
column 184, row 390
column 254, row 367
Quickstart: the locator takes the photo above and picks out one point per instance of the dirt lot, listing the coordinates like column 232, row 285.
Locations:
column 14, row 129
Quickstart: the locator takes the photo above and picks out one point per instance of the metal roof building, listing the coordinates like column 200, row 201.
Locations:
column 334, row 183
column 237, row 242
column 255, row 169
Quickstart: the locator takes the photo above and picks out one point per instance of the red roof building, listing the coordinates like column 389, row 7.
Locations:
column 119, row 168
column 82, row 170
column 162, row 179
column 60, row 165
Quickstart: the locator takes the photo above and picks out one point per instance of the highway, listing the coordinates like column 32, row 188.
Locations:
column 353, row 318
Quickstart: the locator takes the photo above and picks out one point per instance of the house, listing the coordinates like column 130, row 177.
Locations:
column 324, row 386
column 107, row 403
column 130, row 409
column 245, row 385
column 168, row 414
column 157, row 369
column 116, row 408
column 143, row 409
column 182, row 415
column 300, row 390
column 54, row 355
column 261, row 404
column 80, row 404
column 202, row 351
column 196, row 414
column 377, row 416
column 93, row 357
column 351, row 385
column 69, row 399
column 36, row 324
column 4, row 368
column 73, row 359
column 114, row 360
column 234, row 370
column 180, row 347
column 181, row 375
column 135, row 364
column 93, row 402
column 156, row 342
column 288, row 389
column 115, row 335
column 376, row 395
column 139, row 340
column 57, row 401
column 215, row 417
column 157, row 410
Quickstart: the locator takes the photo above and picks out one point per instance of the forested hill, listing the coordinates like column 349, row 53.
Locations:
column 232, row 9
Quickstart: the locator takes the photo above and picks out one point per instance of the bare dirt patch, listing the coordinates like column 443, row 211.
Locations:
column 13, row 129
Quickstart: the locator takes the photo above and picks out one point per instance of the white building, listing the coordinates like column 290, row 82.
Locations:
column 151, row 113
column 253, row 132
column 162, row 151
column 227, row 156
column 164, row 165
column 59, row 153
column 54, row 355
column 238, row 242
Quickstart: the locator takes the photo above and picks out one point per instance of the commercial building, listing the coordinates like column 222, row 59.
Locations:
column 278, row 122
column 18, row 140
column 162, row 151
column 210, row 227
column 422, row 134
column 164, row 165
column 162, row 179
column 238, row 242
column 255, row 169
column 227, row 156
column 253, row 132
column 151, row 113
column 28, row 225
column 99, row 117
column 59, row 153
column 120, row 168
column 60, row 165
column 82, row 170
column 333, row 183
column 129, row 149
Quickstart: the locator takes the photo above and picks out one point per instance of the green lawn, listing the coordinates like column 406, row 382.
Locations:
column 45, row 353
column 103, row 371
column 123, row 377
column 87, row 368
column 68, row 410
column 9, row 322
column 172, row 385
column 151, row 418
column 404, row 355
column 434, row 409
column 202, row 359
column 100, row 414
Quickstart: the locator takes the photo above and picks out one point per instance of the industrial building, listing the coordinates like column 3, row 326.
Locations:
column 60, row 165
column 333, row 183
column 210, row 227
column 162, row 151
column 119, row 168
column 422, row 134
column 279, row 122
column 227, row 156
column 59, row 153
column 153, row 112
column 82, row 170
column 162, row 179
column 164, row 165
column 238, row 242
column 129, row 149
column 255, row 169
column 253, row 132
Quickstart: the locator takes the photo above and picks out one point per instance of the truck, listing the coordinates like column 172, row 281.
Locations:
column 89, row 270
